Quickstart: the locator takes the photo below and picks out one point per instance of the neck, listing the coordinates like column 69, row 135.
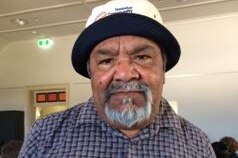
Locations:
column 129, row 133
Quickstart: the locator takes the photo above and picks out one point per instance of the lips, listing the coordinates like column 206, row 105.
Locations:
column 116, row 100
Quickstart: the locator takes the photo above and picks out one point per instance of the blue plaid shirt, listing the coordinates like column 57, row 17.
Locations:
column 79, row 133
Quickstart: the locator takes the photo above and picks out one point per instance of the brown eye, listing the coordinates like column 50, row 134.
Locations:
column 105, row 62
column 142, row 57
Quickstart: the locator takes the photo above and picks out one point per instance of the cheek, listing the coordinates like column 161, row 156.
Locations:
column 156, row 83
column 99, row 82
column 97, row 85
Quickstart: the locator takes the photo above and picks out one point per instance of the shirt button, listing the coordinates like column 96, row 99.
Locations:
column 133, row 143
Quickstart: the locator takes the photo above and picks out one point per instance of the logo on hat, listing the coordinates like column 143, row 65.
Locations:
column 127, row 9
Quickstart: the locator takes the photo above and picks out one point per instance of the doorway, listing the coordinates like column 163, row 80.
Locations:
column 43, row 111
column 43, row 100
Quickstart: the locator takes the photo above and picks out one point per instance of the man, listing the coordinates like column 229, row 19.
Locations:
column 125, row 50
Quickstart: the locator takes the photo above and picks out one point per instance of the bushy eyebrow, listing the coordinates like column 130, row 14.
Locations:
column 104, row 51
column 142, row 48
column 113, row 52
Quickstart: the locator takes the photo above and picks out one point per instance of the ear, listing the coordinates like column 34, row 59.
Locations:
column 88, row 69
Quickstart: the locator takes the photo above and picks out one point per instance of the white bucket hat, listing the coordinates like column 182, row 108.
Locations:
column 123, row 17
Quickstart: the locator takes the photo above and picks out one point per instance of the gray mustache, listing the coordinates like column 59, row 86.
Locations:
column 125, row 87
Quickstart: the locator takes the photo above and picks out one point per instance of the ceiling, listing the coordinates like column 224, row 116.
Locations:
column 51, row 18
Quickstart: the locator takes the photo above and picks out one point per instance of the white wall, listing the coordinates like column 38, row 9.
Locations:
column 209, row 50
column 211, row 43
column 12, row 99
column 25, row 64
column 205, row 82
column 208, row 101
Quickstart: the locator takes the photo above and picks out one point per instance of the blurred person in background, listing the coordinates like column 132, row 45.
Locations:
column 232, row 146
column 221, row 150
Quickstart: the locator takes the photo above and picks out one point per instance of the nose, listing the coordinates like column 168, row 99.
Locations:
column 125, row 71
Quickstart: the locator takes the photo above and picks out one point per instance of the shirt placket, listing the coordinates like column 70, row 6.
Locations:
column 132, row 149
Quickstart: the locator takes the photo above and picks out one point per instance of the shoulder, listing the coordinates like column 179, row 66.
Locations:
column 54, row 123
column 193, row 132
column 170, row 119
column 196, row 138
column 61, row 119
column 49, row 131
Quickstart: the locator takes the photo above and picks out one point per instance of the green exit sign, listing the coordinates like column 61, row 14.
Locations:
column 44, row 43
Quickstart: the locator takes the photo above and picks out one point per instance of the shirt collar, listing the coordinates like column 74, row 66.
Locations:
column 88, row 114
column 166, row 118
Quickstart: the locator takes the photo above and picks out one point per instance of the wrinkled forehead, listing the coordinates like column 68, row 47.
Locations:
column 129, row 40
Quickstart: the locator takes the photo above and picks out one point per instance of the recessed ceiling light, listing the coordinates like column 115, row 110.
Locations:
column 20, row 22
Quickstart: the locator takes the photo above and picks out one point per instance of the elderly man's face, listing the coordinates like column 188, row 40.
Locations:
column 127, row 77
